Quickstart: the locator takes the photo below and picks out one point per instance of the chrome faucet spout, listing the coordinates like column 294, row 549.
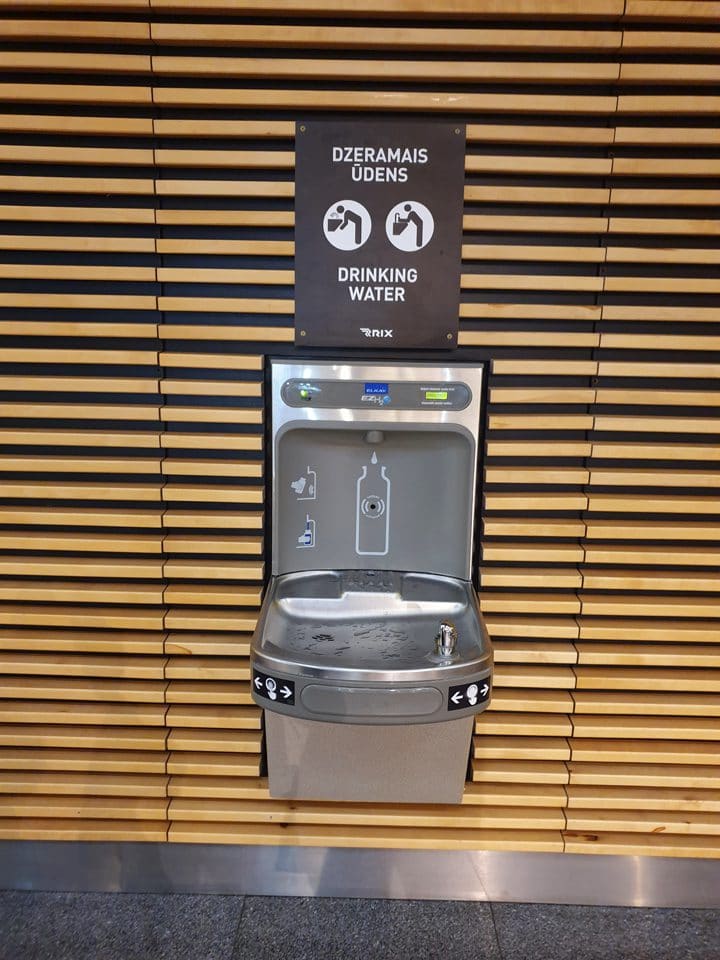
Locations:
column 446, row 640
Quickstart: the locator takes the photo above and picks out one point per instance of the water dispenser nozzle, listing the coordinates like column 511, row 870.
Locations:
column 446, row 640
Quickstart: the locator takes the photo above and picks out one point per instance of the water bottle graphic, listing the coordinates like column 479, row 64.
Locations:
column 372, row 515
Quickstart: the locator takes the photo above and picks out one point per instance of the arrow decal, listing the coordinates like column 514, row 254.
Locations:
column 471, row 695
column 272, row 690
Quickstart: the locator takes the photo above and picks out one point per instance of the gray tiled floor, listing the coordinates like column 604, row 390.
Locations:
column 109, row 926
column 72, row 926
column 315, row 929
column 555, row 932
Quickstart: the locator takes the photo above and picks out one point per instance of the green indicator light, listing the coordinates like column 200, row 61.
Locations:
column 305, row 394
column 436, row 394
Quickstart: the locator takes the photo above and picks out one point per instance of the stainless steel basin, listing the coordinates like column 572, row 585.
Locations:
column 373, row 626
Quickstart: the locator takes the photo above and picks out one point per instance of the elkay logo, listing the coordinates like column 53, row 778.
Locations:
column 376, row 334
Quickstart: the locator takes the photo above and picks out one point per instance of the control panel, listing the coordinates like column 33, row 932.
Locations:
column 374, row 394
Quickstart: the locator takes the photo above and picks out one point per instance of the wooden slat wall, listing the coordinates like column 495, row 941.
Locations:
column 146, row 264
column 82, row 641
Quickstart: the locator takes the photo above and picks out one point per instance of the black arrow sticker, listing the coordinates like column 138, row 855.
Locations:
column 469, row 694
column 274, row 689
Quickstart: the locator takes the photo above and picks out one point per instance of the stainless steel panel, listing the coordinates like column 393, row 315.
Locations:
column 345, row 499
column 378, row 417
column 393, row 874
column 409, row 762
column 364, row 702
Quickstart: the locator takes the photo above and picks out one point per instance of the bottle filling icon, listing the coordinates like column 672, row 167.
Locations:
column 372, row 511
column 306, row 540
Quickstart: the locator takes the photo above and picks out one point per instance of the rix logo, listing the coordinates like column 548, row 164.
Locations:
column 375, row 333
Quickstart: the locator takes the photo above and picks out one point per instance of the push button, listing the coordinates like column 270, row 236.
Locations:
column 368, row 702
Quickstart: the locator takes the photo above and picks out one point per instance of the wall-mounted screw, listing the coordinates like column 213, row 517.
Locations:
column 302, row 129
column 449, row 336
column 457, row 129
column 303, row 333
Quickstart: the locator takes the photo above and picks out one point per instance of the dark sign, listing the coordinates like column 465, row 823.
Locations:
column 274, row 688
column 468, row 694
column 378, row 230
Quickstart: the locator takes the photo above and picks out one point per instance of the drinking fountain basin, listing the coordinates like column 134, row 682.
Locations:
column 371, row 647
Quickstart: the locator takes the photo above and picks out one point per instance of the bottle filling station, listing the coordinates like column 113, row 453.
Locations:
column 370, row 656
